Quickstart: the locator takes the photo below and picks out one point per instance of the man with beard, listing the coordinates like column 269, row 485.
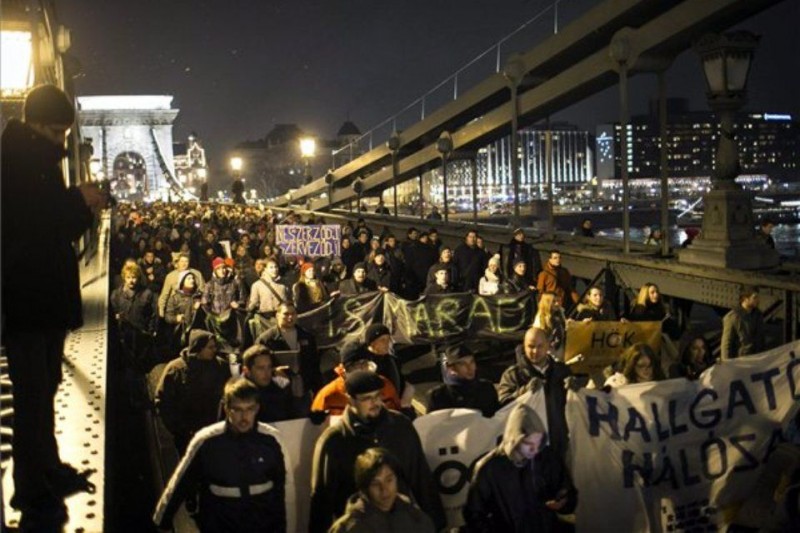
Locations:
column 557, row 279
column 366, row 424
column 359, row 283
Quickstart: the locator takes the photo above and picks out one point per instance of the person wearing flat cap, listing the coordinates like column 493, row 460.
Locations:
column 461, row 387
column 359, row 283
column 191, row 387
column 365, row 424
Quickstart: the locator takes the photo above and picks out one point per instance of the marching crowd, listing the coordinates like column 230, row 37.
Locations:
column 204, row 289
column 207, row 283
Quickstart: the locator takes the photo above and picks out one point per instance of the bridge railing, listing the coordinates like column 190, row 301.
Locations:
column 489, row 61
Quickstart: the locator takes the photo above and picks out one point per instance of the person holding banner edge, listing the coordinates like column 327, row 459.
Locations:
column 536, row 368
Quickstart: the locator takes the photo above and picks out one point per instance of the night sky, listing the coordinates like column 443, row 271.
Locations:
column 237, row 67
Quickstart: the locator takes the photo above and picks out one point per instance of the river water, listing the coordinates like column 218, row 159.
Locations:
column 787, row 237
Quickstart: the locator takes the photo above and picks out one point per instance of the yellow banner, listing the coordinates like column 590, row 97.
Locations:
column 601, row 343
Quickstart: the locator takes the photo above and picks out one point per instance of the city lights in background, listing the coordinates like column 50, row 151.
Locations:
column 16, row 57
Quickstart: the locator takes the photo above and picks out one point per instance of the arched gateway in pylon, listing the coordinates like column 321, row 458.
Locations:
column 132, row 141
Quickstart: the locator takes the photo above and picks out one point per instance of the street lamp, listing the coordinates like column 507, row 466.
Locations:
column 444, row 144
column 16, row 56
column 308, row 148
column 728, row 239
column 238, row 185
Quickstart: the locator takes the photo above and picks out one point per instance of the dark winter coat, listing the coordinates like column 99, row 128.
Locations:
column 470, row 262
column 349, row 287
column 742, row 333
column 523, row 251
column 380, row 275
column 336, row 450
column 136, row 308
column 515, row 382
column 309, row 354
column 218, row 458
column 41, row 218
column 363, row 517
column 477, row 394
column 189, row 393
column 509, row 497
column 220, row 292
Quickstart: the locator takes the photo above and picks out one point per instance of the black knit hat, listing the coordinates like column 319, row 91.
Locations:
column 47, row 104
column 362, row 265
column 352, row 352
column 362, row 382
column 374, row 331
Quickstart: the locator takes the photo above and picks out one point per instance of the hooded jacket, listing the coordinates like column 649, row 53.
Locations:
column 40, row 282
column 511, row 496
column 515, row 382
column 363, row 517
column 190, row 389
column 332, row 478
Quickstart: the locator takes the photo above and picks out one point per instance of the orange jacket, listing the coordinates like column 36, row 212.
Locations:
column 333, row 396
column 559, row 281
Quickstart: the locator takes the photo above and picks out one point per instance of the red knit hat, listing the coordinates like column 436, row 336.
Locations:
column 217, row 262
column 306, row 266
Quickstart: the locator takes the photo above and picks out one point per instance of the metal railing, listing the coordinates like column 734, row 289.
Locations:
column 459, row 81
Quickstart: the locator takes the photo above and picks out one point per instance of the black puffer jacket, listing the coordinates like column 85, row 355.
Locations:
column 41, row 218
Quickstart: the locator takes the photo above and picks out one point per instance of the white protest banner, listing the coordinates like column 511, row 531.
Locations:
column 298, row 438
column 677, row 454
column 453, row 441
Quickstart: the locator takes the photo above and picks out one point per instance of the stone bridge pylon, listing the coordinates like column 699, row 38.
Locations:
column 132, row 141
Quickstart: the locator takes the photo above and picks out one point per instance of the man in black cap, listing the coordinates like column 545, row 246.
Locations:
column 37, row 314
column 359, row 283
column 365, row 424
column 191, row 387
column 462, row 387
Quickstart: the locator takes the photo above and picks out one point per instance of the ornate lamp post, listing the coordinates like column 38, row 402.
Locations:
column 444, row 144
column 728, row 238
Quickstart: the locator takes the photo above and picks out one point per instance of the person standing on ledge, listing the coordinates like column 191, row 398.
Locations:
column 41, row 218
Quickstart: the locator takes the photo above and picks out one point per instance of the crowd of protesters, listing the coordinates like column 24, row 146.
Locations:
column 193, row 278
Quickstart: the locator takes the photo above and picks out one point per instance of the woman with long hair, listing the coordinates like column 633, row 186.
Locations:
column 595, row 307
column 637, row 364
column 650, row 307
column 550, row 318
column 696, row 357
